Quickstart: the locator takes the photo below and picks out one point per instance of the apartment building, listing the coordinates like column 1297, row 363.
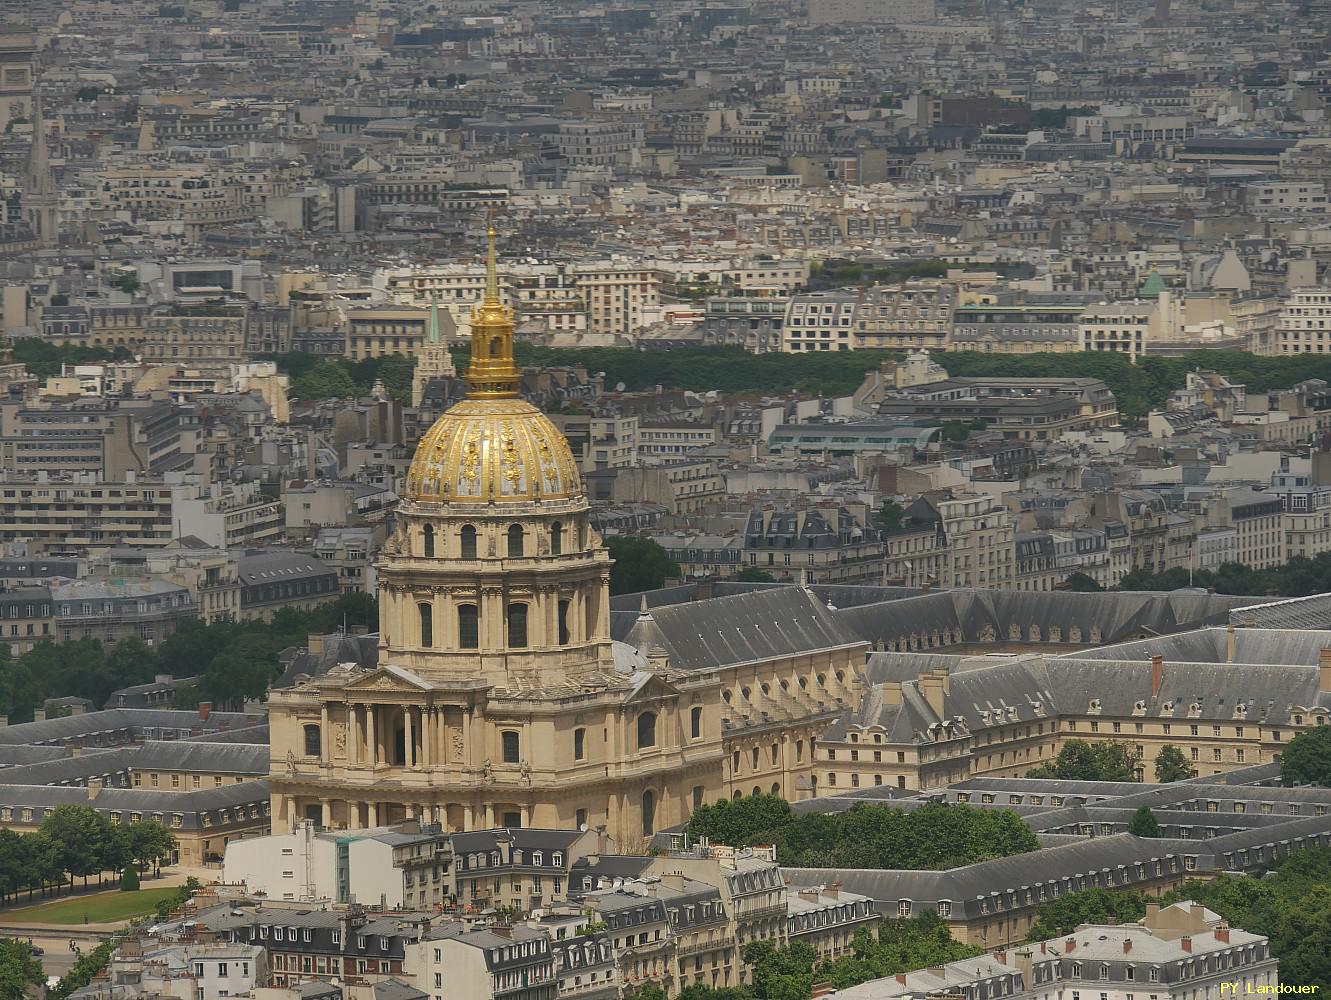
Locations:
column 1306, row 517
column 875, row 11
column 1177, row 951
column 26, row 618
column 819, row 321
column 1017, row 328
column 601, row 143
column 109, row 610
column 672, row 439
column 824, row 545
column 111, row 439
column 204, row 336
column 1305, row 322
column 682, row 486
column 83, row 512
column 197, row 198
column 911, row 315
column 379, row 332
column 615, row 295
column 1121, row 327
column 227, row 515
column 1259, row 524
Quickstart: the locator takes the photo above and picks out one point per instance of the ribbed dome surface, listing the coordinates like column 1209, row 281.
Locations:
column 504, row 450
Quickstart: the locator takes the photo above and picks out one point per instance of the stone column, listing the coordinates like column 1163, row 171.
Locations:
column 429, row 726
column 467, row 755
column 372, row 808
column 353, row 815
column 325, row 736
column 353, row 734
column 291, row 813
column 371, row 737
column 526, row 815
column 550, row 607
column 327, row 808
column 408, row 742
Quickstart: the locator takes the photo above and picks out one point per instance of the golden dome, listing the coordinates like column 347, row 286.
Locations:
column 504, row 450
column 493, row 445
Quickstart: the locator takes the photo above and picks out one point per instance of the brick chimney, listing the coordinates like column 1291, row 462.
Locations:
column 205, row 710
column 1222, row 935
column 1157, row 674
column 1069, row 946
column 1185, row 942
column 1324, row 669
column 94, row 788
column 1127, row 945
column 39, row 715
column 833, row 890
column 901, row 979
column 1001, row 956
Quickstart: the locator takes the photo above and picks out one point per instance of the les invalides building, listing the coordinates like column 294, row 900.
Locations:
column 500, row 697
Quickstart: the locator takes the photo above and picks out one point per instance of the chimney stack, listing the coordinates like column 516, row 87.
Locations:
column 39, row 715
column 1222, row 935
column 1185, row 942
column 205, row 710
column 1157, row 675
column 94, row 788
column 1324, row 669
column 1230, row 642
column 1069, row 946
column 1127, row 945
column 901, row 979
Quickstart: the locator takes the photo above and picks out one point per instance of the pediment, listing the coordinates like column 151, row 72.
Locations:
column 647, row 686
column 390, row 680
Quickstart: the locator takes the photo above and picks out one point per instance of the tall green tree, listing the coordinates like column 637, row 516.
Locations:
column 1079, row 760
column 1171, row 765
column 1144, row 823
column 83, row 840
column 20, row 972
column 1090, row 906
column 1306, row 759
column 640, row 564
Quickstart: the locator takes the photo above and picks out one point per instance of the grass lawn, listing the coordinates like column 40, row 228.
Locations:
column 100, row 908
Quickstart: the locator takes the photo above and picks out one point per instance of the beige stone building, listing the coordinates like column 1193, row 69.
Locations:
column 500, row 698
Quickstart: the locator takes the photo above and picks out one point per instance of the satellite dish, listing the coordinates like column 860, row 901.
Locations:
column 620, row 387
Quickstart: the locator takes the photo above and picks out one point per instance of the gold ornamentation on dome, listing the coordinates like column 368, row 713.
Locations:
column 512, row 462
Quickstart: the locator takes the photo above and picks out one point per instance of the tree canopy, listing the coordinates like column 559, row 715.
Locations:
column 20, row 971
column 233, row 660
column 1171, row 765
column 1306, row 759
column 1079, row 760
column 640, row 564
column 936, row 836
column 1290, row 905
column 1144, row 823
column 1138, row 388
column 789, row 973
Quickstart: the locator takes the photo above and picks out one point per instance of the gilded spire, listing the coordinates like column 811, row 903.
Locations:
column 492, row 373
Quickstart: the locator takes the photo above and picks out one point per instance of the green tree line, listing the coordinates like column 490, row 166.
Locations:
column 233, row 660
column 1139, row 388
column 1299, row 577
column 76, row 841
column 936, row 836
column 790, row 972
column 1290, row 905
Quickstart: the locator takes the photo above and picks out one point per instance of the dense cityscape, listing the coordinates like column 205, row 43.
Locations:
column 665, row 499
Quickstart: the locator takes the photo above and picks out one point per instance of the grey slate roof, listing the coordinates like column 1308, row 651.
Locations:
column 250, row 759
column 743, row 628
column 119, row 725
